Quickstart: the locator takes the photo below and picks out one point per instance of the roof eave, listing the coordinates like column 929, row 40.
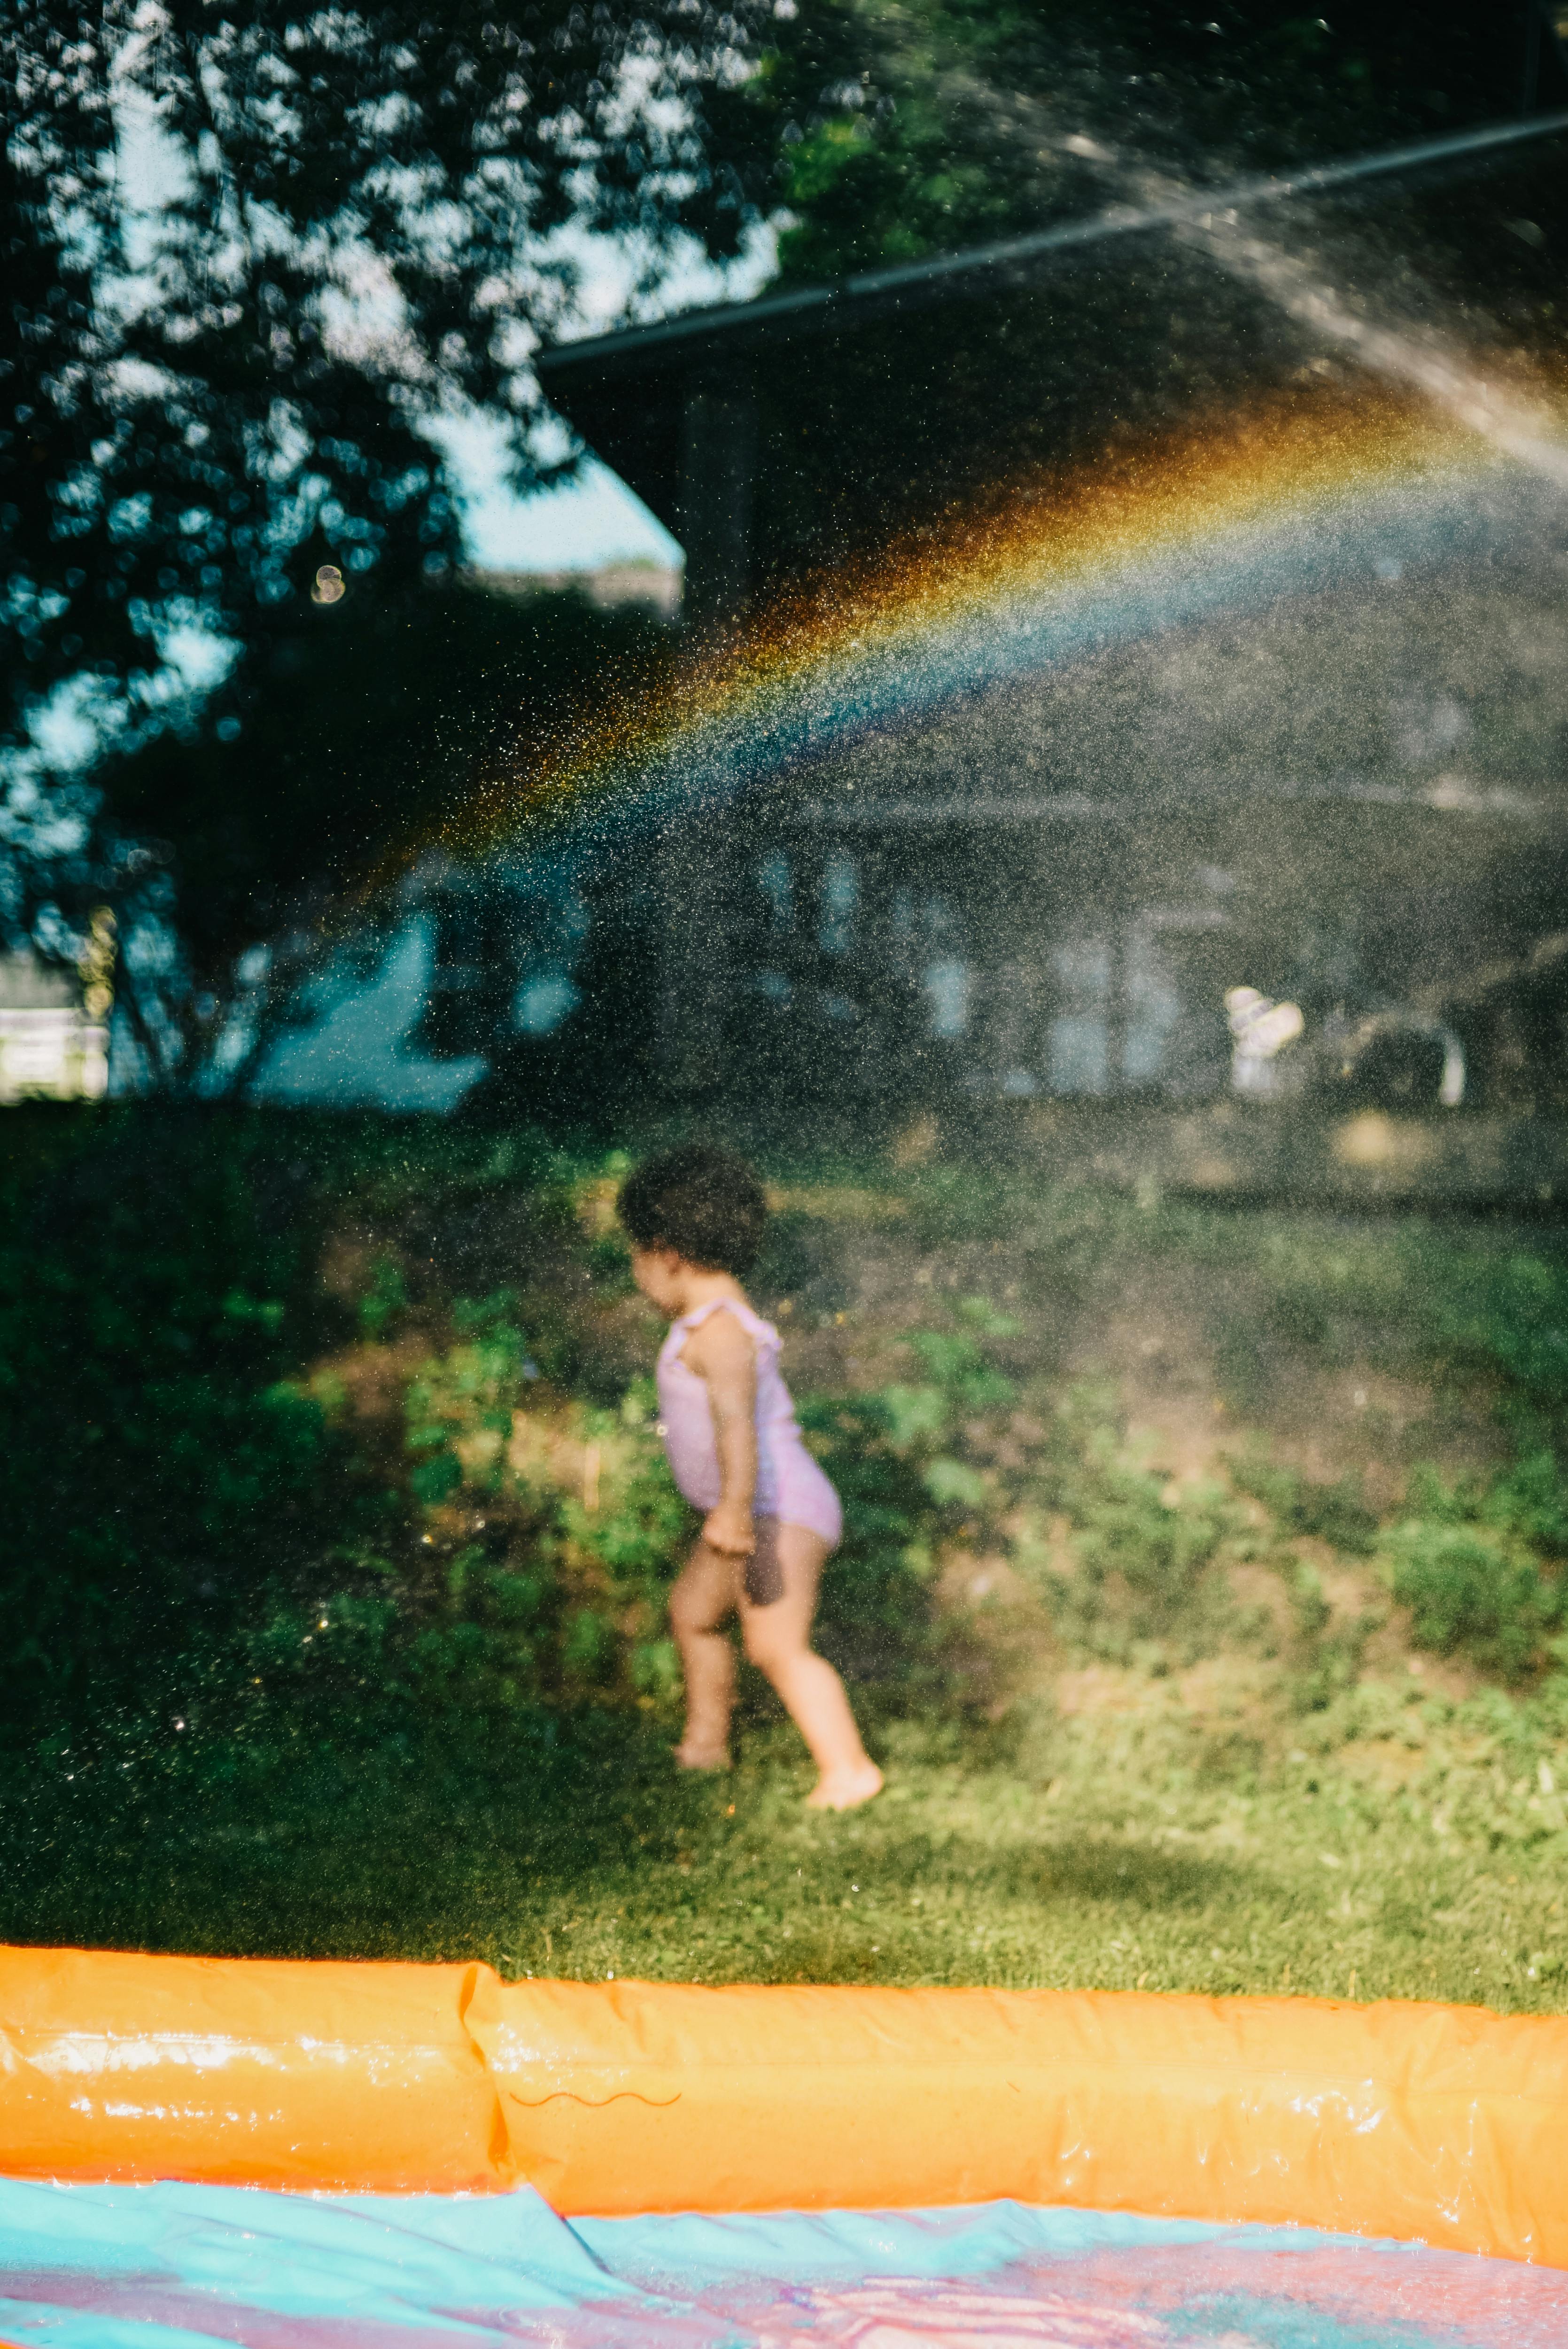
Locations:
column 812, row 308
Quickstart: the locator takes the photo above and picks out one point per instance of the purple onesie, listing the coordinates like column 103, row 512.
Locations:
column 790, row 1486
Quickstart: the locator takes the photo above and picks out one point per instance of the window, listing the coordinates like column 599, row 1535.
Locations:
column 947, row 986
column 1080, row 1034
column 777, row 884
column 841, row 902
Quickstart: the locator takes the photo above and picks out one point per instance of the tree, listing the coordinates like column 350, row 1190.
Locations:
column 57, row 615
column 210, row 433
column 216, row 418
column 912, row 127
column 363, row 724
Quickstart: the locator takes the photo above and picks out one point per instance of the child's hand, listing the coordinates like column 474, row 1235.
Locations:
column 730, row 1530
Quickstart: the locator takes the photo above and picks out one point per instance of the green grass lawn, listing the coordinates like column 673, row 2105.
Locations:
column 1115, row 1855
column 1201, row 1597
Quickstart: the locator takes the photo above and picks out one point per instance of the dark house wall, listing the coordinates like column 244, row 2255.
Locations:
column 1356, row 803
column 781, row 447
column 1352, row 799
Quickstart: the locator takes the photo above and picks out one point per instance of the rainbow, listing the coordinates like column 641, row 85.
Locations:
column 1302, row 494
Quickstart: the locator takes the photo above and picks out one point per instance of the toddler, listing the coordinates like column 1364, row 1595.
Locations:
column 695, row 1217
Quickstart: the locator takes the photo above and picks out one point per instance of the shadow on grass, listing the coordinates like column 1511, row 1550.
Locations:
column 416, row 1849
column 425, row 1843
column 1138, row 1876
column 1087, row 1887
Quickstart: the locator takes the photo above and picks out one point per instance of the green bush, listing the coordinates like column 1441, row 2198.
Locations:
column 1532, row 1501
column 163, row 1476
column 565, row 1594
column 468, row 1397
column 1465, row 1562
column 876, row 1620
column 1509, row 1315
column 385, row 1299
column 1125, row 1527
column 1143, row 1551
column 1310, row 1609
column 900, row 1459
column 1467, row 1595
column 1336, row 1513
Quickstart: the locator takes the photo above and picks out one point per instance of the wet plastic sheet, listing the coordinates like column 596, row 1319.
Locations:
column 179, row 2266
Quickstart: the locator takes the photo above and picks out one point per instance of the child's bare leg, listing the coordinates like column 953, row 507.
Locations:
column 778, row 1641
column 700, row 1601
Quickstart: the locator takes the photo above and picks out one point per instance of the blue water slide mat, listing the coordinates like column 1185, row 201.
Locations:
column 172, row 2267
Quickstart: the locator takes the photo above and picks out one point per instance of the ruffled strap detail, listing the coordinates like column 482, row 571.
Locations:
column 762, row 1331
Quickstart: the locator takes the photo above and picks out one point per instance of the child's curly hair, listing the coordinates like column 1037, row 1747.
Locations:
column 703, row 1202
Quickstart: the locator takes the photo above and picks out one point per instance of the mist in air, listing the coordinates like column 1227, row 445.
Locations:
column 831, row 1260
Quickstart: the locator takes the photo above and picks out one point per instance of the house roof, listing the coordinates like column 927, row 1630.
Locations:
column 676, row 343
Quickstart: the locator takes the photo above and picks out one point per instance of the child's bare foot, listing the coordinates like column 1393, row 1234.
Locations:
column 701, row 1757
column 846, row 1789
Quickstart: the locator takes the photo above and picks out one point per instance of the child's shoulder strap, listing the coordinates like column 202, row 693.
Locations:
column 752, row 1323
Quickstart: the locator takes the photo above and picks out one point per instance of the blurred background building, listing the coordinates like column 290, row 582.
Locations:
column 1345, row 796
column 51, row 1047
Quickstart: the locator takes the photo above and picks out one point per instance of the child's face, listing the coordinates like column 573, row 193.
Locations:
column 659, row 1273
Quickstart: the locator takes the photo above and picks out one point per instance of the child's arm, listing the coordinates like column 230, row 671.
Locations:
column 724, row 1356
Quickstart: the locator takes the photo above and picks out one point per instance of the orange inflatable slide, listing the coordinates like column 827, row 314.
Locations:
column 1446, row 2125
